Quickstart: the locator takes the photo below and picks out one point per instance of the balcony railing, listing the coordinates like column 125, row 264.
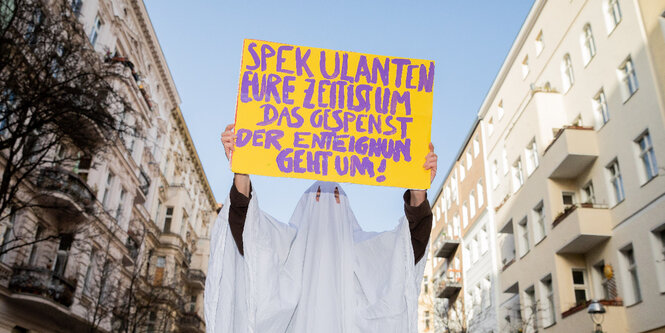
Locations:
column 571, row 152
column 582, row 226
column 196, row 278
column 445, row 246
column 44, row 283
column 60, row 180
column 190, row 321
column 447, row 287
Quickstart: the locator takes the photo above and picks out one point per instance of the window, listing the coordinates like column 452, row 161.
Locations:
column 483, row 240
column 531, row 153
column 469, row 159
column 568, row 199
column 601, row 112
column 76, row 7
column 159, row 270
column 567, row 75
column 628, row 78
column 633, row 280
column 495, row 174
column 647, row 156
column 518, row 178
column 168, row 218
column 62, row 255
column 456, row 225
column 89, row 273
column 120, row 211
column 462, row 173
column 476, row 145
column 539, row 219
column 531, row 306
column 588, row 193
column 580, row 286
column 525, row 67
column 7, row 235
column 472, row 204
column 481, row 194
column 549, row 317
column 659, row 237
column 588, row 44
column 524, row 236
column 616, row 181
column 94, row 33
column 487, row 289
column 465, row 214
column 490, row 126
column 39, row 235
column 540, row 45
column 612, row 14
column 107, row 190
column 603, row 291
column 474, row 250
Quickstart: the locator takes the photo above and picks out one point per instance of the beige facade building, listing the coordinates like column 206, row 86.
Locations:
column 575, row 128
column 130, row 246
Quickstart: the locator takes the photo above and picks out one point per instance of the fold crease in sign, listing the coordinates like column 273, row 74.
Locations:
column 329, row 115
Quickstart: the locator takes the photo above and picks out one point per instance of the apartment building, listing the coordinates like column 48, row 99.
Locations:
column 128, row 248
column 574, row 132
column 461, row 260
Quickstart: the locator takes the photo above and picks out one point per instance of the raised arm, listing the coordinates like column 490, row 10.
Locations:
column 418, row 211
column 240, row 192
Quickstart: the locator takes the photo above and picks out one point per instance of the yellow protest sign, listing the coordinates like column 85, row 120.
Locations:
column 314, row 113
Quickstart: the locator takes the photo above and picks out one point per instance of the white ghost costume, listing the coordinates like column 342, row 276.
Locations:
column 321, row 273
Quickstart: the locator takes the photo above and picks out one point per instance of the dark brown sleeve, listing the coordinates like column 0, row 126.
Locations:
column 420, row 225
column 237, row 215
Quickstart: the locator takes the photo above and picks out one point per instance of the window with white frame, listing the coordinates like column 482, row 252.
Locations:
column 90, row 272
column 647, row 156
column 628, row 78
column 438, row 213
column 601, row 111
column 481, row 193
column 456, row 225
column 476, row 145
column 472, row 204
column 530, row 316
column 523, row 236
column 518, row 178
column 483, row 240
column 612, row 14
column 568, row 199
column 549, row 315
column 588, row 193
column 94, row 33
column 168, row 218
column 634, row 291
column 588, row 44
column 525, row 67
column 490, row 126
column 540, row 44
column 462, row 172
column 539, row 222
column 567, row 75
column 531, row 153
column 465, row 214
column 487, row 289
column 504, row 161
column 580, row 286
column 469, row 159
column 659, row 238
column 499, row 110
column 616, row 181
column 474, row 250
column 601, row 281
column 120, row 210
column 106, row 198
column 466, row 256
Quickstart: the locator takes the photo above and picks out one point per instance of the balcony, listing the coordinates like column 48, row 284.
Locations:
column 42, row 283
column 65, row 191
column 196, row 278
column 444, row 246
column 190, row 321
column 582, row 227
column 448, row 287
column 572, row 151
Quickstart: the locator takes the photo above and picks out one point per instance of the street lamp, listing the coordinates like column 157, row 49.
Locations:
column 597, row 313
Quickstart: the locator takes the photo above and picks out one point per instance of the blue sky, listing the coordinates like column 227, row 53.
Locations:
column 202, row 42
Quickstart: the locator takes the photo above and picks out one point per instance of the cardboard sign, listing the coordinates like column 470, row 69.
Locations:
column 331, row 115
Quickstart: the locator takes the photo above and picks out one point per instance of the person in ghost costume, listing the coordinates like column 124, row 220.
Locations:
column 320, row 273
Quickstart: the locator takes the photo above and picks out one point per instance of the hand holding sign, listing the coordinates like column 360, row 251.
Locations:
column 330, row 115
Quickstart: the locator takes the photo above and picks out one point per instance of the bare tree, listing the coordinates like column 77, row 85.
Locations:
column 59, row 107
